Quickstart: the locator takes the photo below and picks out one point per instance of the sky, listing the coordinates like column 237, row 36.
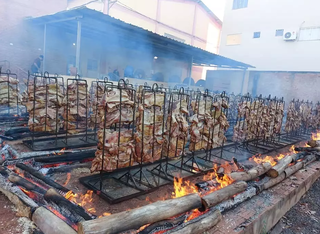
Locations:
column 217, row 6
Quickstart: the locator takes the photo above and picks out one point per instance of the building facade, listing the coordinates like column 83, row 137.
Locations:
column 254, row 32
column 187, row 21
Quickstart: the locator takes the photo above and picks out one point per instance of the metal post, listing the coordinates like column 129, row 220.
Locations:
column 190, row 71
column 78, row 47
column 44, row 48
column 243, row 77
column 108, row 6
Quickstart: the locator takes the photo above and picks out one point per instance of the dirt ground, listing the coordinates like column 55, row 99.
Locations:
column 304, row 217
column 9, row 222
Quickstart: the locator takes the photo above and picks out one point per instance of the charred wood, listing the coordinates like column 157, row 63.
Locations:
column 313, row 143
column 49, row 223
column 251, row 174
column 53, row 196
column 199, row 225
column 134, row 219
column 223, row 194
column 281, row 166
column 17, row 180
column 40, row 176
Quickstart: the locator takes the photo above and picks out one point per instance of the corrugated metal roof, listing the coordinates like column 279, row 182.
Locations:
column 96, row 23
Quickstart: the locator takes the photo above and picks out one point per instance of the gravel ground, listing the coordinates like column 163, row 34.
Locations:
column 304, row 217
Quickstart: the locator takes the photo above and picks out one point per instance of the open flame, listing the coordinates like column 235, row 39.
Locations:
column 68, row 179
column 83, row 200
column 262, row 159
column 315, row 136
column 182, row 188
column 292, row 149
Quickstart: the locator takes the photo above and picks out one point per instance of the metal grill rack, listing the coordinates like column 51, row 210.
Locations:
column 58, row 141
column 177, row 163
column 11, row 110
column 121, row 169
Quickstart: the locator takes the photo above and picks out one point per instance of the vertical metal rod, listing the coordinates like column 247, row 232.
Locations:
column 78, row 47
column 44, row 48
column 243, row 77
column 190, row 71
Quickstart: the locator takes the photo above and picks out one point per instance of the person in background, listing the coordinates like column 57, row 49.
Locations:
column 35, row 67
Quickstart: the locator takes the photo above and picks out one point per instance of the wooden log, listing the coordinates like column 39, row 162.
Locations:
column 134, row 219
column 40, row 176
column 239, row 198
column 307, row 149
column 223, row 194
column 22, row 202
column 49, row 223
column 309, row 159
column 281, row 166
column 17, row 180
column 199, row 225
column 251, row 174
column 313, row 143
column 53, row 196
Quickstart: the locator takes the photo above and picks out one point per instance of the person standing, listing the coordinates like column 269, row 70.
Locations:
column 35, row 67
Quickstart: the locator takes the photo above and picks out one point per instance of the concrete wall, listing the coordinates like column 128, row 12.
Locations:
column 270, row 52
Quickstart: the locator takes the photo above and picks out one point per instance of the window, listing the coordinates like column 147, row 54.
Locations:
column 234, row 39
column 92, row 65
column 256, row 35
column 309, row 34
column 279, row 32
column 237, row 4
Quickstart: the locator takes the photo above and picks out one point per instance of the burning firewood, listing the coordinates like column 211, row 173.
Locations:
column 40, row 176
column 314, row 143
column 223, row 194
column 53, row 196
column 136, row 218
column 49, row 223
column 17, row 180
column 281, row 165
column 199, row 225
column 270, row 182
column 251, row 174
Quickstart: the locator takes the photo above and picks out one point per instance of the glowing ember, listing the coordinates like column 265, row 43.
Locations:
column 272, row 160
column 32, row 195
column 195, row 213
column 104, row 214
column 292, row 149
column 68, row 179
column 58, row 214
column 84, row 200
column 315, row 136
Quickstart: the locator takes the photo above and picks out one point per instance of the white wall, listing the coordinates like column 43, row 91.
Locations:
column 270, row 52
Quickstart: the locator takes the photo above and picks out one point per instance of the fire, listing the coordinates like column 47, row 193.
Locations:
column 60, row 152
column 83, row 200
column 32, row 195
column 292, row 149
column 272, row 160
column 195, row 213
column 315, row 136
column 105, row 214
column 182, row 188
column 68, row 179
